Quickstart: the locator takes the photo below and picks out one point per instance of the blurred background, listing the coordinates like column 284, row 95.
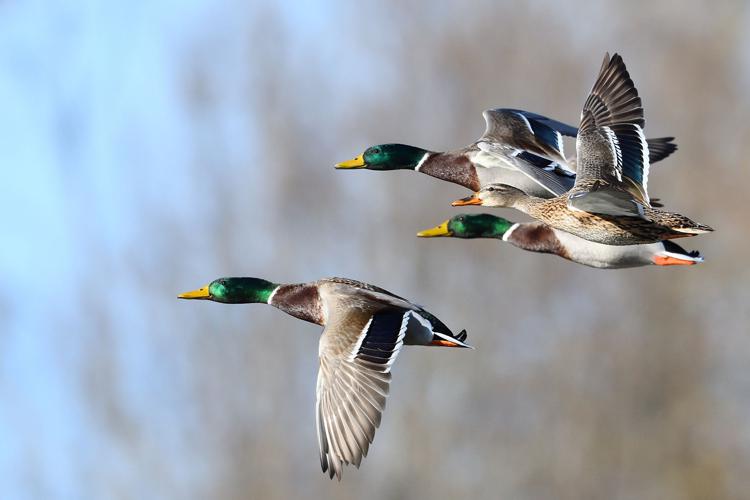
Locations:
column 150, row 147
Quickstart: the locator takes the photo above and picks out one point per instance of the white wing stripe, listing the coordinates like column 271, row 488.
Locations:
column 526, row 121
column 360, row 339
column 615, row 145
column 645, row 159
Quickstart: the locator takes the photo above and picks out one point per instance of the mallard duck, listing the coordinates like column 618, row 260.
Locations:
column 609, row 202
column 365, row 328
column 515, row 138
column 539, row 237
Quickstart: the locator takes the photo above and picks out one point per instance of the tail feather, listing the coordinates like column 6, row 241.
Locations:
column 675, row 255
column 455, row 340
column 695, row 228
column 680, row 224
column 660, row 148
column 462, row 335
column 674, row 248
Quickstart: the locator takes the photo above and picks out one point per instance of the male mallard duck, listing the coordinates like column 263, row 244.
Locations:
column 365, row 328
column 539, row 237
column 609, row 202
column 515, row 138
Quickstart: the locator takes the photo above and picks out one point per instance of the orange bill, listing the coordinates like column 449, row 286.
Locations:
column 469, row 200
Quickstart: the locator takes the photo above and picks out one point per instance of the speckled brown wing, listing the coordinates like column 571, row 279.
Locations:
column 659, row 148
column 613, row 157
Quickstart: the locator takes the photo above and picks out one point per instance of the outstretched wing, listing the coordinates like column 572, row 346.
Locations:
column 529, row 143
column 547, row 173
column 365, row 330
column 515, row 130
column 563, row 128
column 611, row 147
column 610, row 144
column 659, row 148
column 356, row 353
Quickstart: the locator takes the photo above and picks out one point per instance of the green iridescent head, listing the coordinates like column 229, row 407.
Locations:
column 387, row 157
column 234, row 291
column 469, row 226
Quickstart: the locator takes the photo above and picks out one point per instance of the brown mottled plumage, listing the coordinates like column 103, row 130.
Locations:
column 657, row 225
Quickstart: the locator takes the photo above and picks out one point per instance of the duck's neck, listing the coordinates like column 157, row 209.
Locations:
column 299, row 300
column 451, row 167
column 527, row 204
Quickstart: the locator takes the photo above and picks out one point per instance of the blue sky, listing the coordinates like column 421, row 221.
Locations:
column 90, row 116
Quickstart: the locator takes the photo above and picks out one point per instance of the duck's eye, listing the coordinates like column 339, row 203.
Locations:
column 490, row 189
column 375, row 151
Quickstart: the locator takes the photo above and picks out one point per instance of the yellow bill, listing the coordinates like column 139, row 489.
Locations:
column 440, row 230
column 358, row 162
column 201, row 293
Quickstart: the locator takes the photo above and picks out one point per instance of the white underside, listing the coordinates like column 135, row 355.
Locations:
column 603, row 256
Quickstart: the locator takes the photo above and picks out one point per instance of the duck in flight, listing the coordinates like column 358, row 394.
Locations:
column 539, row 237
column 513, row 141
column 365, row 328
column 609, row 200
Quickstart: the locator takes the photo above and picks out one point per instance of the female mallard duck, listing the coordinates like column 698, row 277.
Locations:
column 539, row 237
column 365, row 328
column 609, row 201
column 513, row 138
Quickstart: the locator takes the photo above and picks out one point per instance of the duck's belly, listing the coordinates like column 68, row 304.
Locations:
column 599, row 255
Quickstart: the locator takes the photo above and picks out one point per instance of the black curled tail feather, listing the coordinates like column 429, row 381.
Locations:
column 462, row 335
column 672, row 247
